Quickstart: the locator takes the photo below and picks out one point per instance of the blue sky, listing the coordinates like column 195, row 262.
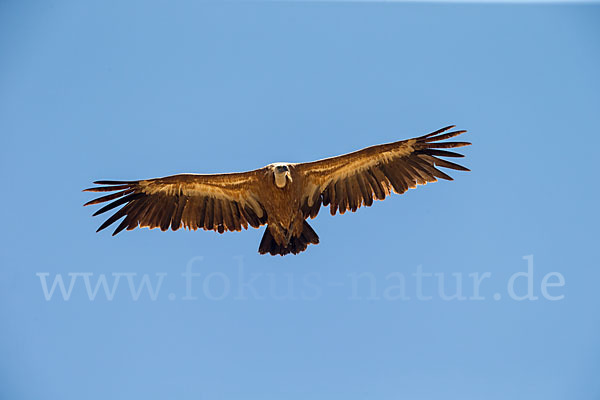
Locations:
column 140, row 89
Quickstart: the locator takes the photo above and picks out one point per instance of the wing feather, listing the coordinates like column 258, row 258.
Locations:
column 243, row 220
column 366, row 190
column 176, row 221
column 341, row 194
column 109, row 197
column 376, row 184
column 209, row 214
column 116, row 203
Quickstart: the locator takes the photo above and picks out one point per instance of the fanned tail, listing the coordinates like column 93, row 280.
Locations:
column 296, row 245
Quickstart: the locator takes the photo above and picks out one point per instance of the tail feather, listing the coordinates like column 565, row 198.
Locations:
column 296, row 245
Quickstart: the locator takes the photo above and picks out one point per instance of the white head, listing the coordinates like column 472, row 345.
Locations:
column 282, row 173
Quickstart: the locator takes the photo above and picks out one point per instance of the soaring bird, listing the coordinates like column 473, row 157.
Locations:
column 281, row 195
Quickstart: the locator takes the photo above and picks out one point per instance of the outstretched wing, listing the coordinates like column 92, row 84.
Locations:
column 355, row 179
column 224, row 202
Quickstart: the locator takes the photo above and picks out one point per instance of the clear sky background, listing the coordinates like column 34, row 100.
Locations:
column 140, row 89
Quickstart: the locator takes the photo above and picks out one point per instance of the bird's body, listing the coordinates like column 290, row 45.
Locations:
column 285, row 219
column 281, row 195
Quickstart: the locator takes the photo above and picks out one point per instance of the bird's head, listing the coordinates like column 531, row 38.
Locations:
column 281, row 172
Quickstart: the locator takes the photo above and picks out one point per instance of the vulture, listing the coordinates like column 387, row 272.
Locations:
column 281, row 195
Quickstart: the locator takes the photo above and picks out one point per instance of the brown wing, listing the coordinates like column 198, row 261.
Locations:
column 351, row 180
column 211, row 202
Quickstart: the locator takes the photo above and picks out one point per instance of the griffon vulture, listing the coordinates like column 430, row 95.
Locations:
column 281, row 195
